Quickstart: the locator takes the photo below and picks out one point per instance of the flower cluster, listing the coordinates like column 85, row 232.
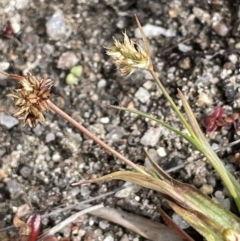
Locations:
column 128, row 55
column 31, row 99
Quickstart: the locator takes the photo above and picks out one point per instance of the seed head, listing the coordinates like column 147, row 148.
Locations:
column 31, row 99
column 128, row 56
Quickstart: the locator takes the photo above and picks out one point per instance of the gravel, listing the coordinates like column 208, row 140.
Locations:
column 195, row 47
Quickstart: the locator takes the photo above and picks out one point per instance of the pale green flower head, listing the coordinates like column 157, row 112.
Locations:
column 128, row 56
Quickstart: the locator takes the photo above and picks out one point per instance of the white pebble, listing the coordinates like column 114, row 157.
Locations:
column 151, row 137
column 154, row 31
column 142, row 95
column 161, row 152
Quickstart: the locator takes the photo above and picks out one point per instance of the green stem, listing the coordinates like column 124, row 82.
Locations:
column 187, row 137
column 173, row 105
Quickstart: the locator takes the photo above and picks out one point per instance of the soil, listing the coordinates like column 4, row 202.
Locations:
column 200, row 57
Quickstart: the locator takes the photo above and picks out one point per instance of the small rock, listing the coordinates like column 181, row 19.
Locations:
column 101, row 83
column 25, row 171
column 142, row 95
column 148, row 85
column 56, row 157
column 115, row 135
column 151, row 137
column 73, row 192
column 56, row 27
column 179, row 221
column 184, row 48
column 103, row 224
column 104, row 120
column 38, row 130
column 206, row 189
column 233, row 58
column 48, row 49
column 4, row 65
column 220, row 28
column 109, row 238
column 23, row 210
column 50, row 137
column 21, row 4
column 8, row 121
column 15, row 188
column 205, row 79
column 185, row 63
column 15, row 22
column 202, row 15
column 67, row 60
column 154, row 31
column 161, row 152
column 124, row 238
column 85, row 190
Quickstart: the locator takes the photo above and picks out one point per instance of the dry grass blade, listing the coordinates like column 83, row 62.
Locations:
column 143, row 226
column 69, row 220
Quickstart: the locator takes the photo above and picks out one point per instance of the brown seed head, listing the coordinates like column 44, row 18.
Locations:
column 31, row 99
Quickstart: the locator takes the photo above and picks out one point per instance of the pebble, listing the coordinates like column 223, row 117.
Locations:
column 206, row 189
column 85, row 190
column 73, row 192
column 115, row 135
column 151, row 137
column 48, row 49
column 109, row 238
column 15, row 22
column 220, row 28
column 205, row 79
column 185, row 63
column 101, row 83
column 124, row 238
column 25, row 171
column 56, row 27
column 142, row 95
column 202, row 15
column 67, row 60
column 179, row 221
column 184, row 48
column 15, row 188
column 4, row 65
column 23, row 210
column 38, row 130
column 103, row 224
column 161, row 152
column 56, row 157
column 233, row 58
column 104, row 120
column 154, row 31
column 21, row 4
column 8, row 121
column 50, row 137
column 148, row 85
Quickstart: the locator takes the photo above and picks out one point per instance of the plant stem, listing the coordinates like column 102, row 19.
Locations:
column 173, row 105
column 94, row 138
column 187, row 137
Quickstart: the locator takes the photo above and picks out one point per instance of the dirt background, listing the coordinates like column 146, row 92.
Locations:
column 198, row 52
